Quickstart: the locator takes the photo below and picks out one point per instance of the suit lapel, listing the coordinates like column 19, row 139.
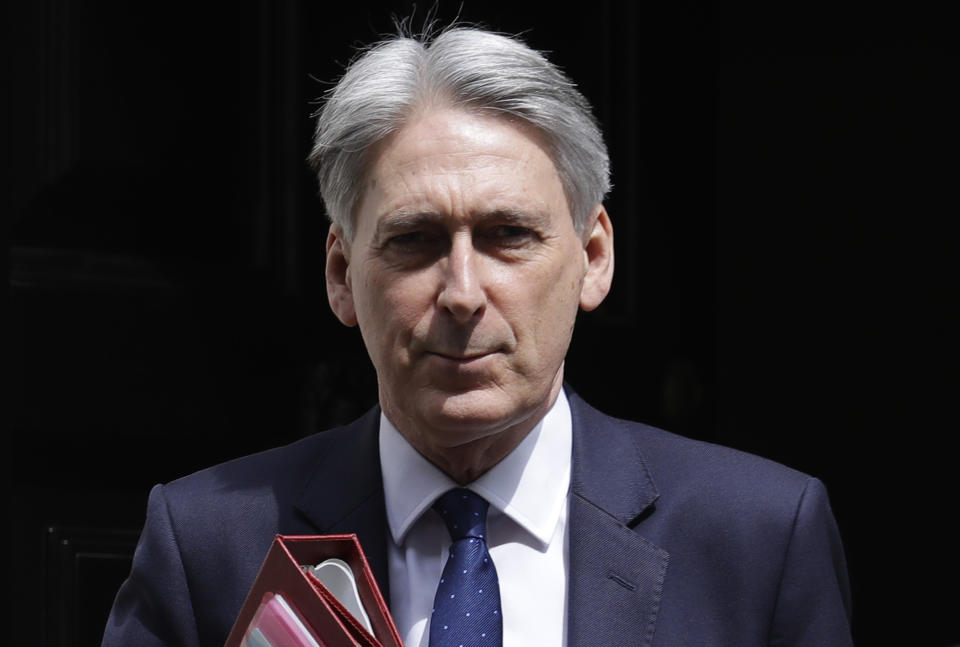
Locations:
column 344, row 494
column 616, row 576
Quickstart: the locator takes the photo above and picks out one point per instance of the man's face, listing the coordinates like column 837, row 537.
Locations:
column 465, row 274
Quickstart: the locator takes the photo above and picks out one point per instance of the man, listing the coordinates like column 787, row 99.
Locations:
column 464, row 177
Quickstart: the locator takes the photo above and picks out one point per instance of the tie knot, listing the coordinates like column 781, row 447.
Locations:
column 464, row 512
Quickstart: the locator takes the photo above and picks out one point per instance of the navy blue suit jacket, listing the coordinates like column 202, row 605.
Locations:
column 672, row 541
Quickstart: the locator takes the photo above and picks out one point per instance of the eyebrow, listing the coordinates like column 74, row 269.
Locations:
column 404, row 219
column 533, row 219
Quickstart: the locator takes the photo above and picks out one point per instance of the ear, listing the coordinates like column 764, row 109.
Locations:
column 598, row 249
column 339, row 291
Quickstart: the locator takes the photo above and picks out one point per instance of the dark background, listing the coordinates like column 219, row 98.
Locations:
column 786, row 236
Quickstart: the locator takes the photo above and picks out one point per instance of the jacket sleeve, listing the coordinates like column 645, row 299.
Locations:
column 153, row 606
column 813, row 600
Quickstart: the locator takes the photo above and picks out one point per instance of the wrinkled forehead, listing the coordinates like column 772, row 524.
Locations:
column 454, row 132
column 461, row 163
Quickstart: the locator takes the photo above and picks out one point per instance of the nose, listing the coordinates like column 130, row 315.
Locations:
column 462, row 292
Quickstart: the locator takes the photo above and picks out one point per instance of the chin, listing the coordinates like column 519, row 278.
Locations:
column 473, row 414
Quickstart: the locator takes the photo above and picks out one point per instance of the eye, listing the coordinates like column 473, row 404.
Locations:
column 407, row 239
column 512, row 235
column 415, row 246
column 411, row 240
column 511, row 231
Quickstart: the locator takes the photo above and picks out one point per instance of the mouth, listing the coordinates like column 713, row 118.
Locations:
column 461, row 357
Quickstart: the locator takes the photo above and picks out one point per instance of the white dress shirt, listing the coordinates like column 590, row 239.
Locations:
column 526, row 531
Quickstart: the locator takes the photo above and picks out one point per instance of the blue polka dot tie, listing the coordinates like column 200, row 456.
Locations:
column 466, row 610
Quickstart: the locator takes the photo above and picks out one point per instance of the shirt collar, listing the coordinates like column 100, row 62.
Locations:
column 529, row 485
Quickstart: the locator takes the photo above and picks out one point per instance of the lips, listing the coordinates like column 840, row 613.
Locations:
column 460, row 357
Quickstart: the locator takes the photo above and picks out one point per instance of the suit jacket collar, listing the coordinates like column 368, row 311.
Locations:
column 616, row 576
column 344, row 493
column 609, row 470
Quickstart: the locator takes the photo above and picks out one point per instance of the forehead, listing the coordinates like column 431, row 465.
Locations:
column 454, row 161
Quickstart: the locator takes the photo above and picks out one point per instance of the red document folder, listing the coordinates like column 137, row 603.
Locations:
column 287, row 607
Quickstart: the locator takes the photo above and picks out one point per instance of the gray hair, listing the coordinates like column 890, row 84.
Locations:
column 463, row 67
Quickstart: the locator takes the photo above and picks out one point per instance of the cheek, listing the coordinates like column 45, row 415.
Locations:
column 545, row 304
column 393, row 307
column 368, row 297
column 558, row 287
column 363, row 300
